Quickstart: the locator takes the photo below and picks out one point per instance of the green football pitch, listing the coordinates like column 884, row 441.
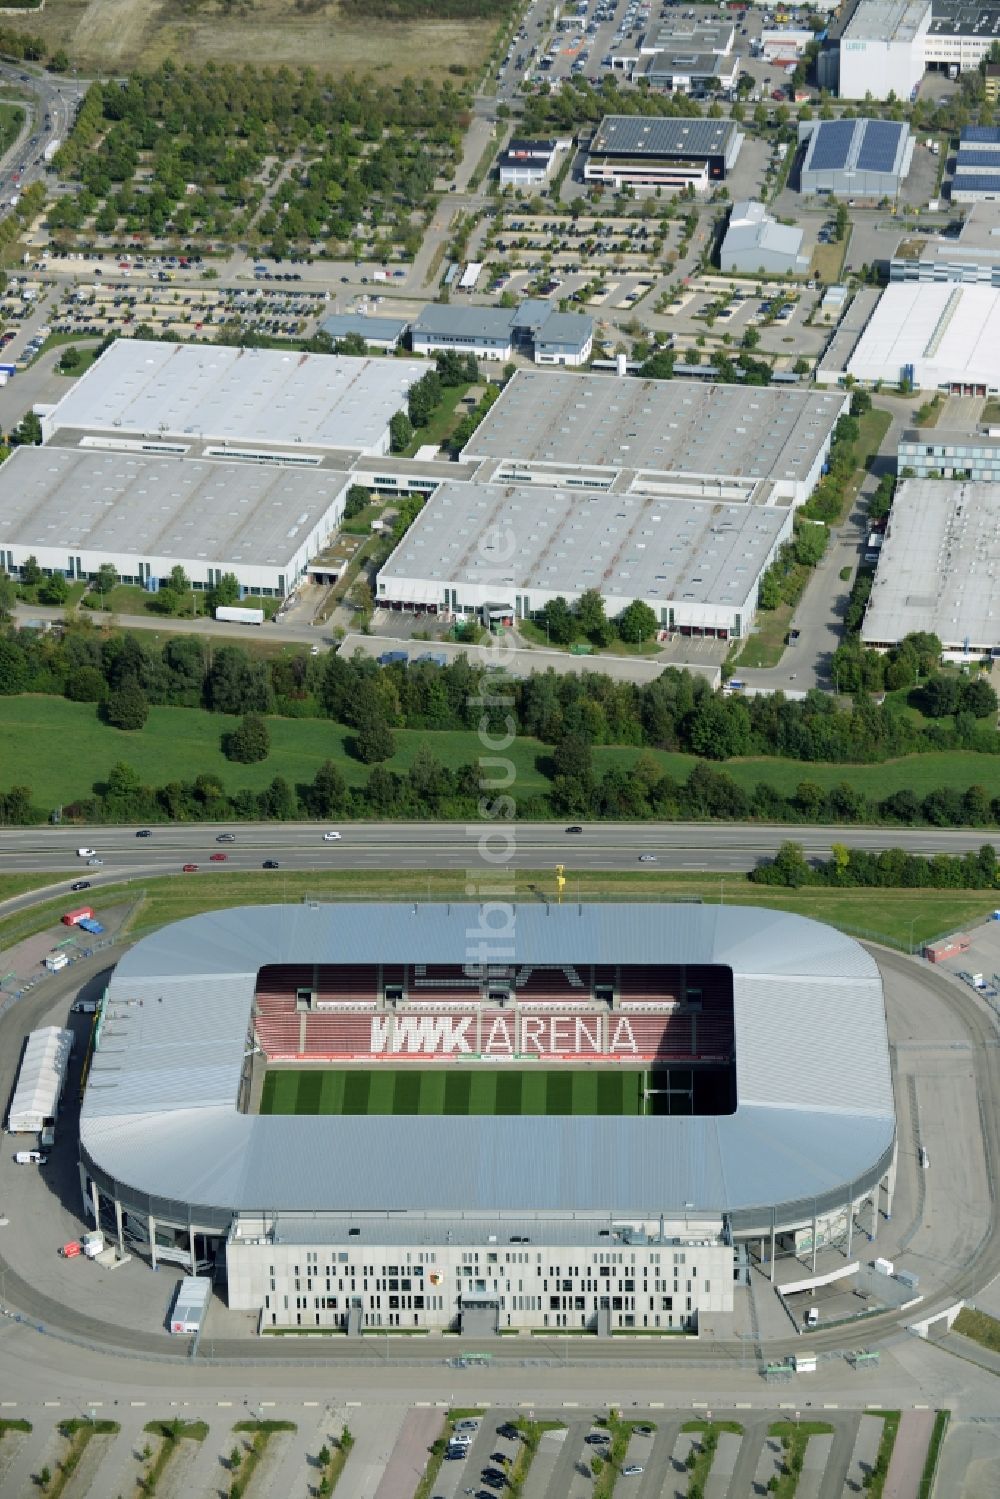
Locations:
column 407, row 1091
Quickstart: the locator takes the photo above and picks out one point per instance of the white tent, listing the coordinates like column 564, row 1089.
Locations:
column 40, row 1080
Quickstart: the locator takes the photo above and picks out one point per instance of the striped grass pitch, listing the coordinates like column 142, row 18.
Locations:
column 390, row 1090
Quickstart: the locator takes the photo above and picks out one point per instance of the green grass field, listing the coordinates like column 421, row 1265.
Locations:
column 182, row 743
column 451, row 1091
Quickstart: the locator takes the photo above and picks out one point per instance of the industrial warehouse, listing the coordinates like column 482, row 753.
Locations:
column 938, row 566
column 726, row 442
column 702, row 1087
column 940, row 337
column 73, row 509
column 855, row 158
column 501, row 553
column 646, row 151
column 234, row 403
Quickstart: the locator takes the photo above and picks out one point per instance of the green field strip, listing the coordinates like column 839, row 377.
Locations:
column 609, row 1092
column 533, row 1092
column 483, row 1094
column 559, row 1093
column 585, row 1092
column 357, row 1086
column 458, row 1091
column 381, row 1092
column 432, row 1092
column 407, row 1091
column 508, row 1093
column 331, row 1098
column 309, row 1092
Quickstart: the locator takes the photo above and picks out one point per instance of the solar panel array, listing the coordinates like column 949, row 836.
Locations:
column 984, row 135
column 987, row 183
column 830, row 145
column 879, row 145
column 978, row 159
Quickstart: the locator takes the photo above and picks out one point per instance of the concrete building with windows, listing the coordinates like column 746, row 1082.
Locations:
column 378, row 332
column 647, row 152
column 941, row 337
column 754, row 241
column 961, row 34
column 534, row 328
column 732, row 443
column 936, row 453
column 882, row 49
column 216, row 401
column 977, row 165
column 937, row 566
column 683, row 71
column 527, row 164
column 972, row 255
column 769, row 1129
column 698, row 566
column 76, row 508
column 855, row 158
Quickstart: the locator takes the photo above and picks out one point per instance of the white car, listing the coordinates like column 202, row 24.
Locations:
column 331, row 837
column 86, row 853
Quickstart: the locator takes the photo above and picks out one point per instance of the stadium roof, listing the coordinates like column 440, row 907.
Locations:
column 146, row 505
column 651, row 135
column 661, row 426
column 814, row 1113
column 237, row 395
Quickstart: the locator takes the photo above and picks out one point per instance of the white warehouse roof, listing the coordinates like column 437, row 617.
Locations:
column 118, row 504
column 939, row 566
column 215, row 393
column 814, row 1115
column 941, row 333
column 40, row 1079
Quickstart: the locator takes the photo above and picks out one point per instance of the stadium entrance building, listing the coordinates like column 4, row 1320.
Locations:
column 488, row 1118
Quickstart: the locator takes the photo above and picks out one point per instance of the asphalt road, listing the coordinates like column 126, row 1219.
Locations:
column 53, row 98
column 709, row 847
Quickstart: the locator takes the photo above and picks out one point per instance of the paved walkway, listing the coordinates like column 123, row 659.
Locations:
column 409, row 1456
column 906, row 1466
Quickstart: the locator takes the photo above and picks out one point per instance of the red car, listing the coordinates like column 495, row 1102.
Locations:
column 190, row 868
column 218, row 858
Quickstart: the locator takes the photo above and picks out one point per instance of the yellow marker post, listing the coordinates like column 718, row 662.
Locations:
column 560, row 878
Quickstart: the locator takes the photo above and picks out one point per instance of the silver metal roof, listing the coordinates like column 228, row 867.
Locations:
column 568, row 540
column 814, row 1111
column 237, row 395
column 662, row 426
column 146, row 505
column 652, row 135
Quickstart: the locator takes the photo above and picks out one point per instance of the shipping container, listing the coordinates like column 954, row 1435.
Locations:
column 948, row 947
column 190, row 1304
column 74, row 918
column 240, row 616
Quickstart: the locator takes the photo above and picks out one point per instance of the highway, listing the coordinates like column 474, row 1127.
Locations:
column 713, row 848
column 48, row 117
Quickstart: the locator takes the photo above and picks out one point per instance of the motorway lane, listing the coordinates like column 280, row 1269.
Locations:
column 697, row 847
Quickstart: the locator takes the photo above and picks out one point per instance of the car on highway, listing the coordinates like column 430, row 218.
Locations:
column 647, row 858
column 189, row 868
column 85, row 853
column 335, row 838
column 270, row 864
column 80, row 885
column 144, row 833
column 218, row 858
column 226, row 838
column 574, row 829
column 95, row 860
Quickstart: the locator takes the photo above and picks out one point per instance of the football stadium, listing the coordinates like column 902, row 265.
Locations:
column 482, row 1117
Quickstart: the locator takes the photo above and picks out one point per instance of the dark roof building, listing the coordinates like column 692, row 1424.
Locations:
column 647, row 151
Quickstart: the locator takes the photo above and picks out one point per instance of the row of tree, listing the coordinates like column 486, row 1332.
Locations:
column 675, row 711
column 432, row 790
column 891, row 868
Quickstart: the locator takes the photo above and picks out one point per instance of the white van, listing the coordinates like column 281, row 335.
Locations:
column 812, row 1317
column 30, row 1158
column 86, row 853
column 55, row 961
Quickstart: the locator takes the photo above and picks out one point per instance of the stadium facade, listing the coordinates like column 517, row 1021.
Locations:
column 767, row 1125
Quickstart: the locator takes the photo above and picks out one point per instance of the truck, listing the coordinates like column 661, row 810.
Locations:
column 74, row 918
column 190, row 1305
column 240, row 616
column 55, row 961
column 953, row 70
column 88, row 924
column 51, row 149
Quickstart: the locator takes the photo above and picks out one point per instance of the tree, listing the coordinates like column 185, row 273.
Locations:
column 85, row 685
column 8, row 597
column 400, row 432
column 373, row 739
column 223, row 594
column 557, row 616
column 179, row 582
column 31, row 573
column 106, row 579
column 592, row 619
column 28, row 432
column 249, row 742
column 942, row 695
column 54, row 590
column 13, row 668
column 979, row 698
column 637, row 622
column 126, row 708
column 358, row 499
